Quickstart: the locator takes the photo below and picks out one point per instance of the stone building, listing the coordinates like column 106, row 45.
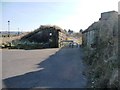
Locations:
column 101, row 41
column 105, row 28
column 49, row 36
column 89, row 35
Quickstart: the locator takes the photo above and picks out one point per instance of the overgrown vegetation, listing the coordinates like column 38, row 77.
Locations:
column 17, row 44
column 103, row 60
column 103, row 70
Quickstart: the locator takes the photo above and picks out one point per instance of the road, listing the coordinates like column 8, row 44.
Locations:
column 45, row 68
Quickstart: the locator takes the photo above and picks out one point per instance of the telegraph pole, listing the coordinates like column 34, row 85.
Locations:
column 18, row 32
column 8, row 28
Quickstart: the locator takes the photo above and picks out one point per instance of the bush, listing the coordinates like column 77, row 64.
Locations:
column 26, row 45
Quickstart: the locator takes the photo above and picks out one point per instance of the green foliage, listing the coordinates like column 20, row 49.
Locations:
column 17, row 44
column 101, row 68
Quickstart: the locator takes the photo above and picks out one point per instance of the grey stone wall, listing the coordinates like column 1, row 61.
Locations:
column 102, row 50
column 47, row 35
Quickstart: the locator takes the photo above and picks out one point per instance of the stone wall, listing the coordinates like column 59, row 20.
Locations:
column 100, row 42
column 47, row 34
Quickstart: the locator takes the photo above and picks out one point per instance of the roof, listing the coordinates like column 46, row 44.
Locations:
column 52, row 26
column 90, row 28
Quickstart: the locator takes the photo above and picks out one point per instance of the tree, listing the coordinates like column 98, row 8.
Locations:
column 81, row 31
column 65, row 30
column 70, row 31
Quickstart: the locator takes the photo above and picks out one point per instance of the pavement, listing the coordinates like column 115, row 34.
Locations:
column 45, row 68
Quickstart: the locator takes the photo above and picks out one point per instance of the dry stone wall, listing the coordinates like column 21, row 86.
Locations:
column 100, row 42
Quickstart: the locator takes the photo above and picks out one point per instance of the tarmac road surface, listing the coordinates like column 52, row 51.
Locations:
column 45, row 68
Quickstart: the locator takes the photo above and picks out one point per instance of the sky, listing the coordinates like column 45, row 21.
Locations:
column 28, row 15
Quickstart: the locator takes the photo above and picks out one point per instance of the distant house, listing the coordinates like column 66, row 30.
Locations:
column 50, row 36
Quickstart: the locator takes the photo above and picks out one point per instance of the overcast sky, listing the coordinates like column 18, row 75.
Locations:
column 69, row 14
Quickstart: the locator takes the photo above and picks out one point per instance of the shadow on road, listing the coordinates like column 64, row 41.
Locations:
column 61, row 70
